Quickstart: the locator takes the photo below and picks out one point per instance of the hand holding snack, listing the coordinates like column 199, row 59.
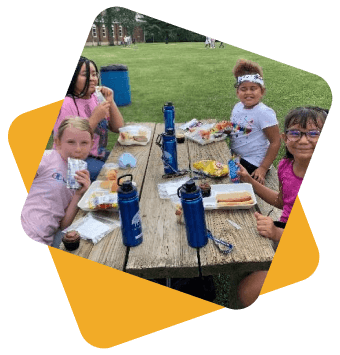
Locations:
column 101, row 111
column 107, row 92
column 83, row 178
column 243, row 173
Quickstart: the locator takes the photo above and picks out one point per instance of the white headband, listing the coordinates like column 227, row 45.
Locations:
column 256, row 78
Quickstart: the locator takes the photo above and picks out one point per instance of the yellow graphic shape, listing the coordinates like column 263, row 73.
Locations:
column 112, row 307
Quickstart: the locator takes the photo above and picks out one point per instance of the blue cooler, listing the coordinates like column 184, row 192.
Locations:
column 116, row 77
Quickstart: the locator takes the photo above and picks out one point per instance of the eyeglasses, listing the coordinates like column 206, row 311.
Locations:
column 294, row 135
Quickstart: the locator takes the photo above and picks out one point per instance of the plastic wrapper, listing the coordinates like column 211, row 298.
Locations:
column 134, row 135
column 126, row 161
column 233, row 169
column 107, row 167
column 74, row 165
column 191, row 124
column 93, row 227
column 215, row 132
column 99, row 95
column 205, row 134
column 103, row 201
column 177, row 208
column 211, row 168
column 169, row 189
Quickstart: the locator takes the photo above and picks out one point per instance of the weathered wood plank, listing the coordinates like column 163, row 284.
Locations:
column 252, row 252
column 164, row 251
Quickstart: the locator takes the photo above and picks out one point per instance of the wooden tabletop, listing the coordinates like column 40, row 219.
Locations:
column 165, row 251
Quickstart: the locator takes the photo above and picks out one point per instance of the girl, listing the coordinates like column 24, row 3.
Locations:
column 302, row 128
column 82, row 101
column 259, row 148
column 50, row 205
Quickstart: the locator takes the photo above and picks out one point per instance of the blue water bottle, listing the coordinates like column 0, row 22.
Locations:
column 193, row 211
column 131, row 224
column 169, row 149
column 169, row 115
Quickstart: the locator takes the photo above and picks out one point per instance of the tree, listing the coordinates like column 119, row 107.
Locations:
column 98, row 22
column 158, row 31
column 108, row 17
column 125, row 17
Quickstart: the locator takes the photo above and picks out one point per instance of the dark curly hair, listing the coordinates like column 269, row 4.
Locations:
column 246, row 67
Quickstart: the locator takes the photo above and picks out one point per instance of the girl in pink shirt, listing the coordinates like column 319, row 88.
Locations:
column 50, row 205
column 82, row 101
column 302, row 129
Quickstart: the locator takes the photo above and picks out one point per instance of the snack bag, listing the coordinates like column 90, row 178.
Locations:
column 99, row 95
column 212, row 168
column 74, row 165
column 233, row 169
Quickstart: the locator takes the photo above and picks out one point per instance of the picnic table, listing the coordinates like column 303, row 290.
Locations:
column 165, row 252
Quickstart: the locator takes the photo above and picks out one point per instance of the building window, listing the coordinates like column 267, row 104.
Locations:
column 94, row 31
column 103, row 31
column 120, row 31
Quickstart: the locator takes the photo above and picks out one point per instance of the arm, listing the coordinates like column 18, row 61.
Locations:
column 116, row 120
column 273, row 135
column 266, row 228
column 270, row 196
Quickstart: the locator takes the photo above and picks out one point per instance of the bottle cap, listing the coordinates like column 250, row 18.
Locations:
column 170, row 132
column 127, row 186
column 169, row 103
column 190, row 186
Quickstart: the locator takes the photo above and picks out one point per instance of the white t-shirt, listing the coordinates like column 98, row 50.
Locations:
column 47, row 200
column 252, row 147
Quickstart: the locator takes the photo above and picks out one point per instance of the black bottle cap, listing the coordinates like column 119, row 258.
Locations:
column 190, row 186
column 127, row 186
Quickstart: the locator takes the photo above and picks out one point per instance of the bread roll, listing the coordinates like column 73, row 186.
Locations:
column 234, row 199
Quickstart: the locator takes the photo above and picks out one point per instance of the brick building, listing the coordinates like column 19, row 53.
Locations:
column 100, row 35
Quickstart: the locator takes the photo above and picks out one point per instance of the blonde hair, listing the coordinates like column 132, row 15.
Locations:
column 76, row 122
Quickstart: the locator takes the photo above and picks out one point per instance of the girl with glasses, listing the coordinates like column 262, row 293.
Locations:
column 302, row 128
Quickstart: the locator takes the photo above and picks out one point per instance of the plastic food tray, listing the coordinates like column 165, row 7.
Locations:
column 210, row 202
column 94, row 187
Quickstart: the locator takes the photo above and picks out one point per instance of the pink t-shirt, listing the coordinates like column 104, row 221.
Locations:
column 85, row 107
column 290, row 186
column 47, row 200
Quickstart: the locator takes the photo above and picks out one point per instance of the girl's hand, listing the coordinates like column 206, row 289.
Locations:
column 243, row 173
column 101, row 111
column 266, row 227
column 108, row 93
column 259, row 175
column 83, row 177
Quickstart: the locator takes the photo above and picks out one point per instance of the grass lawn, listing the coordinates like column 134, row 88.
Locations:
column 200, row 84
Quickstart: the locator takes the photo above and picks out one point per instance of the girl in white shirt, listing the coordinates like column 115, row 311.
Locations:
column 259, row 148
